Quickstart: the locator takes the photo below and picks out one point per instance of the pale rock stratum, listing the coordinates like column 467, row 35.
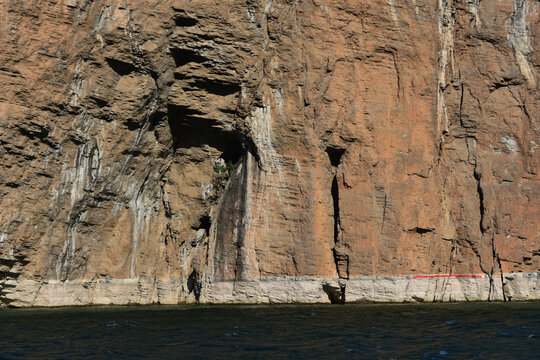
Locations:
column 258, row 151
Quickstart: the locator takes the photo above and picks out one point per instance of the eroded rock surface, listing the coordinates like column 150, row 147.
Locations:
column 269, row 151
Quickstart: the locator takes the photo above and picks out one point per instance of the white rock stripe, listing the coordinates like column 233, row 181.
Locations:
column 380, row 289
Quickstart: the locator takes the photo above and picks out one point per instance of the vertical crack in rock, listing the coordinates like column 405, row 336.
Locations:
column 385, row 206
column 481, row 205
column 449, row 271
column 484, row 231
column 461, row 110
column 335, row 200
column 399, row 89
column 341, row 258
column 480, row 192
column 497, row 260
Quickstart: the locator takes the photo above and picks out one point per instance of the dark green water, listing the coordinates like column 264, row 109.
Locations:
column 434, row 331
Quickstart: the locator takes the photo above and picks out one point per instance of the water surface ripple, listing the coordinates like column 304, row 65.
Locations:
column 423, row 331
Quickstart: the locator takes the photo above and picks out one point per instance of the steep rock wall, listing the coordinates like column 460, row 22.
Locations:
column 268, row 151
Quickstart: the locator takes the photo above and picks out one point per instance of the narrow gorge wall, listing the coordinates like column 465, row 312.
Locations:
column 261, row 151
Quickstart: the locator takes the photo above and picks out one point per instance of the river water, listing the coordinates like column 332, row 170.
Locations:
column 420, row 331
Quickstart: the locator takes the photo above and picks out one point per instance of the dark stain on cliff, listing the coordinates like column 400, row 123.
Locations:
column 194, row 284
column 230, row 226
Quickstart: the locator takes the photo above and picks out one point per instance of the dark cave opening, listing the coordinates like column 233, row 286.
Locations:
column 184, row 21
column 120, row 67
column 216, row 87
column 189, row 130
column 185, row 56
column 335, row 154
column 335, row 295
column 194, row 284
column 204, row 223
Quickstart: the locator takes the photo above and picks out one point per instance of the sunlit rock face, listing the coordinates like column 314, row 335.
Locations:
column 251, row 151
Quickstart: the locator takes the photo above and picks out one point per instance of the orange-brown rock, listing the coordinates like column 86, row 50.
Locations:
column 269, row 151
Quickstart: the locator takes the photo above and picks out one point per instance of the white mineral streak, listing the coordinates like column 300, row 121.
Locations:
column 80, row 178
column 85, row 171
column 77, row 89
column 518, row 36
column 446, row 24
column 473, row 7
column 24, row 293
column 393, row 12
column 271, row 178
column 104, row 19
column 511, row 146
column 249, row 257
column 68, row 251
column 264, row 22
column 250, row 12
column 533, row 147
column 416, row 10
column 261, row 131
column 4, row 234
column 141, row 208
column 278, row 99
column 207, row 190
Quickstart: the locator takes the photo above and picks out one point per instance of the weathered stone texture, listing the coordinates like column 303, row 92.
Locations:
column 268, row 151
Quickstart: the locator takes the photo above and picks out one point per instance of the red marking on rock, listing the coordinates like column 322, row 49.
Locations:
column 446, row 276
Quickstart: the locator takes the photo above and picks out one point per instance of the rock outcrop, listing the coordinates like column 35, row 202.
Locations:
column 269, row 151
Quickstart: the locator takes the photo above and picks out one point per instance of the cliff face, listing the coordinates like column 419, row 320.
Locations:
column 269, row 151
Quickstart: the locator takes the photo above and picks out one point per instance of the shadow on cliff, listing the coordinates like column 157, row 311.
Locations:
column 190, row 130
